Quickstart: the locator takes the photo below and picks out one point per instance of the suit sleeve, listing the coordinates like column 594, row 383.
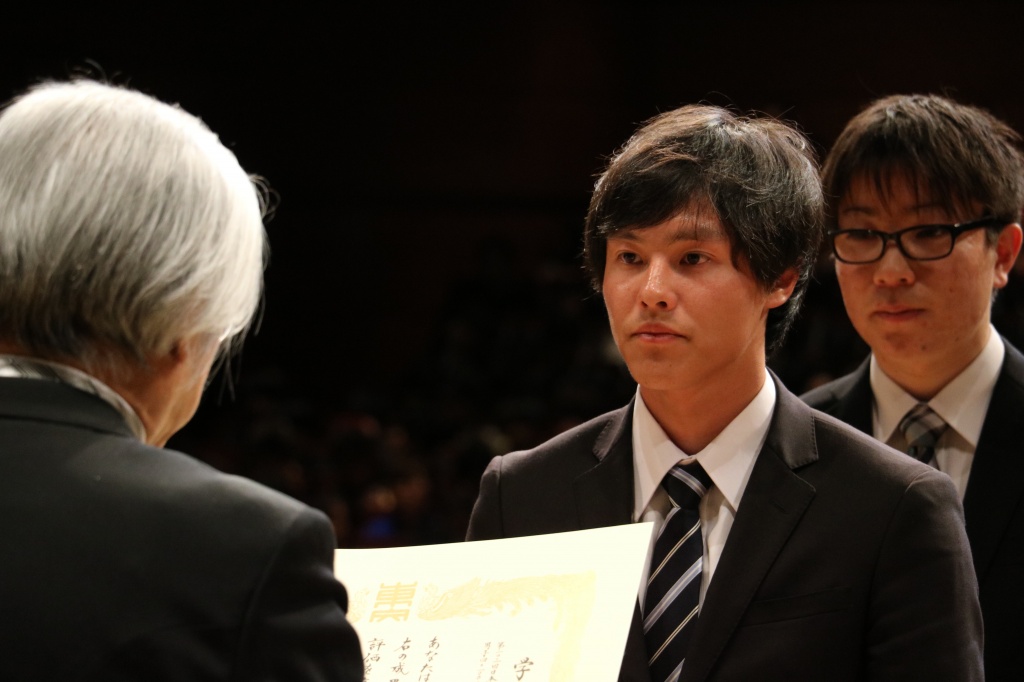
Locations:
column 485, row 521
column 925, row 621
column 296, row 628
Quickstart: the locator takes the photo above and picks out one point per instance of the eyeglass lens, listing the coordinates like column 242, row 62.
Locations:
column 920, row 243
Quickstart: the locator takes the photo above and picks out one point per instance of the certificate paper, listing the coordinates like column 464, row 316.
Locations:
column 548, row 607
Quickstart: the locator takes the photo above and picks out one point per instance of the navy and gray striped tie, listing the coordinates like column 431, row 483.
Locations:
column 922, row 428
column 673, row 585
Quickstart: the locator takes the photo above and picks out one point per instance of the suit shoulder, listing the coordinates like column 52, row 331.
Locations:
column 833, row 432
column 577, row 443
column 173, row 487
column 206, row 480
column 858, row 454
column 824, row 397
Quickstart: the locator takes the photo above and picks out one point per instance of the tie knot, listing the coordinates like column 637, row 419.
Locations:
column 686, row 484
column 922, row 428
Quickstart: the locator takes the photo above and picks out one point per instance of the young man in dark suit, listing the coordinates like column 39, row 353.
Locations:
column 925, row 204
column 789, row 546
column 131, row 255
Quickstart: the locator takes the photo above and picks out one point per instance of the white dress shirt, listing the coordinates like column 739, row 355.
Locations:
column 962, row 403
column 728, row 460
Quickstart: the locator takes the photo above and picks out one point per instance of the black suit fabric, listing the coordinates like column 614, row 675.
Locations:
column 993, row 502
column 846, row 560
column 129, row 562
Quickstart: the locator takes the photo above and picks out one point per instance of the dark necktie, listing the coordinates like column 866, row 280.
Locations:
column 922, row 428
column 673, row 585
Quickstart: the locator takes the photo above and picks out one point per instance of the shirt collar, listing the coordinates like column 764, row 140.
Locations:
column 962, row 403
column 728, row 459
column 17, row 366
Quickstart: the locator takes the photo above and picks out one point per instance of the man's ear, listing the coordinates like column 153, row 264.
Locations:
column 1007, row 248
column 783, row 288
column 179, row 352
column 189, row 355
column 170, row 360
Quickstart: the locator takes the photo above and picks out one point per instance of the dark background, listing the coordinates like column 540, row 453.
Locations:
column 425, row 305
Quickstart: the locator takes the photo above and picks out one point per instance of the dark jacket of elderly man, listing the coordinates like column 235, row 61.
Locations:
column 131, row 256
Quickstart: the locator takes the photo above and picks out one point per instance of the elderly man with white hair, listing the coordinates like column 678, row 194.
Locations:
column 131, row 257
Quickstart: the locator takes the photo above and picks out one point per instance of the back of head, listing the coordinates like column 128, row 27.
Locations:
column 960, row 155
column 125, row 227
column 758, row 174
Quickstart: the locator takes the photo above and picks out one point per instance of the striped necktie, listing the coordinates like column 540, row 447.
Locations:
column 922, row 428
column 673, row 585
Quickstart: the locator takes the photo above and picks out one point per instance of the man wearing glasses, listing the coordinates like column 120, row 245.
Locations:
column 926, row 197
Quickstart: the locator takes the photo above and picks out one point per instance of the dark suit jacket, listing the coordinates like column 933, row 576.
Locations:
column 993, row 503
column 846, row 560
column 127, row 562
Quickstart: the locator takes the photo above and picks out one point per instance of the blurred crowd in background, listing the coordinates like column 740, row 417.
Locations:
column 516, row 356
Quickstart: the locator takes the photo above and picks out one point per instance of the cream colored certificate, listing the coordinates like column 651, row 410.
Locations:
column 548, row 607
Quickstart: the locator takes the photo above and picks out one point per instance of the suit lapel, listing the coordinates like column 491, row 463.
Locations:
column 604, row 493
column 773, row 503
column 604, row 497
column 856, row 400
column 996, row 483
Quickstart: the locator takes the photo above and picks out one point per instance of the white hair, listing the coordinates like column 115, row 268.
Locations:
column 125, row 226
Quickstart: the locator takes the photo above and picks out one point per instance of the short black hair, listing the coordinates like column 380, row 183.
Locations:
column 759, row 174
column 959, row 154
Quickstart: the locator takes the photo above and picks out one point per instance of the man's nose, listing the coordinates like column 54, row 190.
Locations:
column 893, row 268
column 656, row 291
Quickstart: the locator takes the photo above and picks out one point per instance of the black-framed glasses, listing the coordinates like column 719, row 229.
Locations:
column 921, row 242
